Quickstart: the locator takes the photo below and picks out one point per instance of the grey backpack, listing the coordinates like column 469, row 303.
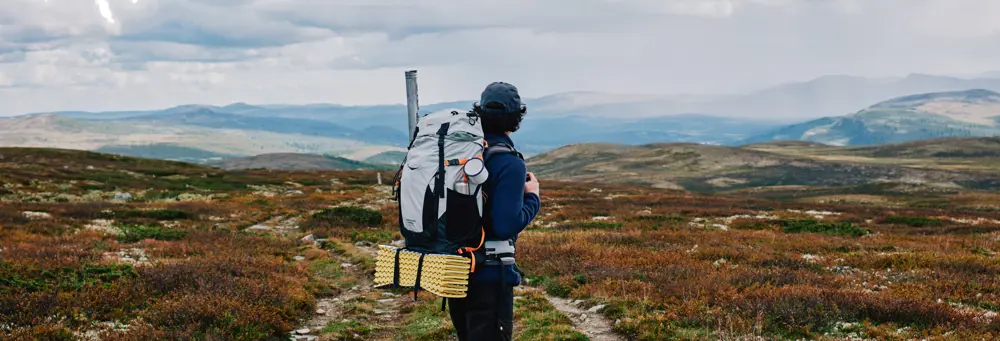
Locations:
column 440, row 210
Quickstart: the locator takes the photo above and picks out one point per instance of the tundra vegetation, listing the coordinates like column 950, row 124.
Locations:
column 94, row 246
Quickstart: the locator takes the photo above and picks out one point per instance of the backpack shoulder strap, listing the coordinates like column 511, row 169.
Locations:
column 501, row 148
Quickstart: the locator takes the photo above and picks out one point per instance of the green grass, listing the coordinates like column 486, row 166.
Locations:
column 333, row 273
column 20, row 277
column 350, row 330
column 327, row 268
column 538, row 319
column 428, row 323
column 914, row 221
column 355, row 324
column 135, row 233
column 160, row 214
column 358, row 215
column 660, row 217
column 373, row 236
column 344, row 222
column 814, row 226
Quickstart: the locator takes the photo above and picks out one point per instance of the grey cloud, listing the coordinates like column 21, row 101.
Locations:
column 401, row 19
column 216, row 23
column 16, row 56
column 179, row 51
column 146, row 51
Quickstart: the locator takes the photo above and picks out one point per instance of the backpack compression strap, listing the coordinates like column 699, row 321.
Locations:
column 439, row 182
column 420, row 268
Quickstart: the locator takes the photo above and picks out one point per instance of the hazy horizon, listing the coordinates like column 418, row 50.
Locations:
column 108, row 55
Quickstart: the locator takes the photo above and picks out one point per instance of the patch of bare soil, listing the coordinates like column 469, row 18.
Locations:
column 587, row 321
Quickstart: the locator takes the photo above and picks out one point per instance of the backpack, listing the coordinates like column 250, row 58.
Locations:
column 434, row 216
column 440, row 210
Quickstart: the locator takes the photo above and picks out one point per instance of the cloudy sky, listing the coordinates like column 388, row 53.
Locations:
column 142, row 54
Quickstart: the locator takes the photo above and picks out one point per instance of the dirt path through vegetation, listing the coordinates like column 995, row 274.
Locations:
column 589, row 322
column 329, row 309
column 348, row 314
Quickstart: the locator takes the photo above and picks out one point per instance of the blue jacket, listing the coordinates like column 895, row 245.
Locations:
column 511, row 209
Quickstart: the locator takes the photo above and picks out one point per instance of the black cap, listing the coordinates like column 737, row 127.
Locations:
column 500, row 98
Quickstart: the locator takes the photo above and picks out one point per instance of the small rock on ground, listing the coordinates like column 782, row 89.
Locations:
column 259, row 227
column 308, row 239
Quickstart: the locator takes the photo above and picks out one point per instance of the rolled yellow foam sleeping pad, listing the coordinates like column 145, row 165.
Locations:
column 442, row 275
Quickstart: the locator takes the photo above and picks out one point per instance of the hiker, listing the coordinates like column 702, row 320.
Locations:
column 487, row 312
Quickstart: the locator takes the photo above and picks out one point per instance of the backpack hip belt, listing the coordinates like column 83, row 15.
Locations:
column 499, row 252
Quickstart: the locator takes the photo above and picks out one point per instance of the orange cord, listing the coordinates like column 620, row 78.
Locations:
column 471, row 251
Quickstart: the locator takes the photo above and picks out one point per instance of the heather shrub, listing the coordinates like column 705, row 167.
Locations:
column 659, row 218
column 212, row 316
column 31, row 277
column 374, row 236
column 46, row 331
column 118, row 301
column 751, row 224
column 913, row 221
column 11, row 217
column 814, row 226
column 135, row 233
column 157, row 214
column 595, row 225
column 345, row 216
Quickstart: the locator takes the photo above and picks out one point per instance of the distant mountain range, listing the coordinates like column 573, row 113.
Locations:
column 376, row 134
column 968, row 113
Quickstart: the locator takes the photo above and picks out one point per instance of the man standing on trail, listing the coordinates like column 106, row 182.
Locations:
column 512, row 201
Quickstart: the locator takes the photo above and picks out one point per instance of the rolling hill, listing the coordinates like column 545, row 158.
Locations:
column 208, row 118
column 190, row 136
column 709, row 168
column 387, row 158
column 293, row 161
column 970, row 113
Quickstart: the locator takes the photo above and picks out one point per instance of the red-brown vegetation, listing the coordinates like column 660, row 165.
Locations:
column 181, row 264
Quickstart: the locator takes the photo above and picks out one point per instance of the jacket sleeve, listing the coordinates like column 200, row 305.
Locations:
column 512, row 208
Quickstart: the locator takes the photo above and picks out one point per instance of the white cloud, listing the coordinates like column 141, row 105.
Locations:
column 75, row 54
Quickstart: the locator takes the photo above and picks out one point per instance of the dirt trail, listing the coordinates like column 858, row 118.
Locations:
column 333, row 309
column 589, row 322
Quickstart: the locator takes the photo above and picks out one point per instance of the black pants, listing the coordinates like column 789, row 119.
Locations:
column 485, row 314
